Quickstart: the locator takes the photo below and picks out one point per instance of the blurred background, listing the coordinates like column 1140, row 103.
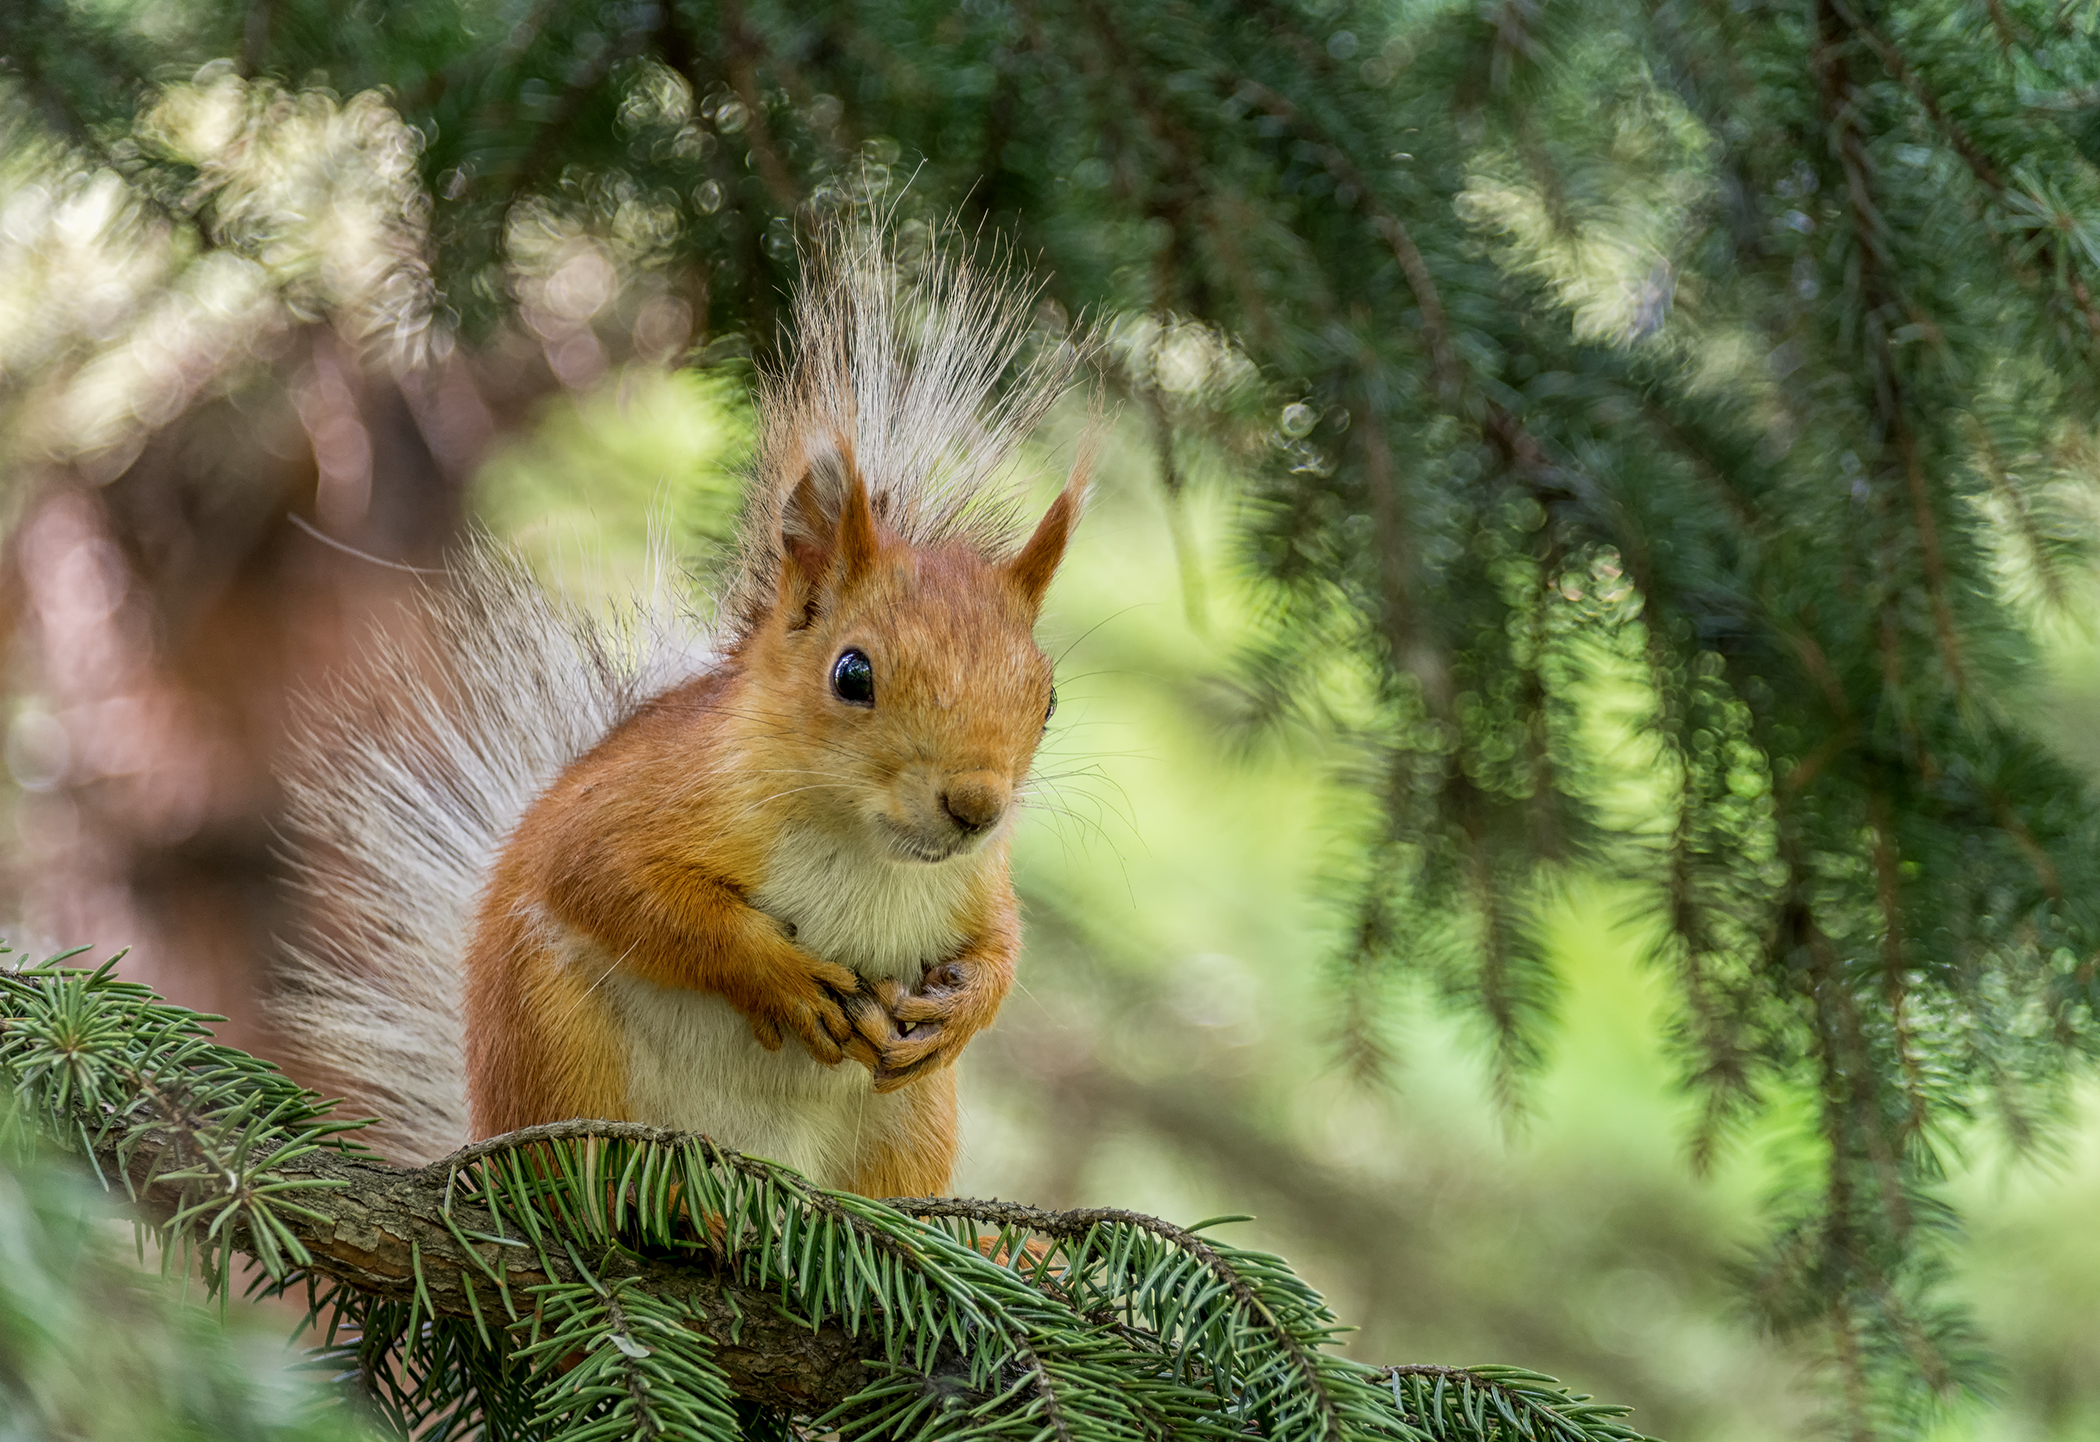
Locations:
column 295, row 295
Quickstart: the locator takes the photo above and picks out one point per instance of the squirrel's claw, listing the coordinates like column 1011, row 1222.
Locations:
column 872, row 1030
column 815, row 1011
column 916, row 1049
column 923, row 1038
column 919, row 1010
column 934, row 1002
column 903, row 1064
column 816, row 1034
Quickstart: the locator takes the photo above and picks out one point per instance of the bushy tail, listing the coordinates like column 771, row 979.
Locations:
column 406, row 781
column 403, row 781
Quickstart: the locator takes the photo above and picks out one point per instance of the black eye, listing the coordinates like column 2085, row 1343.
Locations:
column 853, row 678
column 1053, row 706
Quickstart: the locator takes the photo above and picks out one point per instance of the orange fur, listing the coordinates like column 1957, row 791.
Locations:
column 645, row 871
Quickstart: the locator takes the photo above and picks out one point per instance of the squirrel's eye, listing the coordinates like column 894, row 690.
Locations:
column 1053, row 706
column 853, row 678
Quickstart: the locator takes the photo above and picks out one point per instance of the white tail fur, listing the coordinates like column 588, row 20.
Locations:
column 405, row 780
column 401, row 788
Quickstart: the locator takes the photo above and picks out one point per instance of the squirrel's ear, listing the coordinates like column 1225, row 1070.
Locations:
column 827, row 525
column 802, row 568
column 805, row 558
column 856, row 528
column 1031, row 570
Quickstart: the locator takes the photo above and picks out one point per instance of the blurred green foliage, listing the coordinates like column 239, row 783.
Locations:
column 600, row 474
column 92, row 1349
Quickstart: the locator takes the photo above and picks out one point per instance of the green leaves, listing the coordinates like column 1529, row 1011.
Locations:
column 92, row 1349
column 600, row 1276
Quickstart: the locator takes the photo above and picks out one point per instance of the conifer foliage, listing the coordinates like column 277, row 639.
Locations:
column 1724, row 366
column 598, row 1280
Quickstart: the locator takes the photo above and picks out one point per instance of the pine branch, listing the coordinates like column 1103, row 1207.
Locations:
column 388, row 1233
column 2060, row 259
column 590, row 1280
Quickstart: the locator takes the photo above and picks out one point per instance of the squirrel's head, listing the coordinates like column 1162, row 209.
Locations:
column 911, row 673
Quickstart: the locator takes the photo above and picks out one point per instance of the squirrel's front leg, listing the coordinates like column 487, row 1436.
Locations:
column 954, row 1001
column 691, row 930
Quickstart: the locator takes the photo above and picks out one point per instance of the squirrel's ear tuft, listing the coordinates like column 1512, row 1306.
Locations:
column 826, row 527
column 1031, row 570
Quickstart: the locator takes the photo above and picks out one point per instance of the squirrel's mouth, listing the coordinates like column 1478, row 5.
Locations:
column 914, row 845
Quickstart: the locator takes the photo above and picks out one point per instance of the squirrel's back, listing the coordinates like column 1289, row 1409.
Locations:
column 406, row 780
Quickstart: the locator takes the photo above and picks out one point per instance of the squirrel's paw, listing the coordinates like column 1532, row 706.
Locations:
column 812, row 1007
column 925, row 1035
column 873, row 1029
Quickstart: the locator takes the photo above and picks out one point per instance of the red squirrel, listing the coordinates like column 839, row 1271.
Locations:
column 564, row 872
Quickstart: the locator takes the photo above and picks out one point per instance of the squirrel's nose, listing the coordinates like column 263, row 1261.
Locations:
column 975, row 800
